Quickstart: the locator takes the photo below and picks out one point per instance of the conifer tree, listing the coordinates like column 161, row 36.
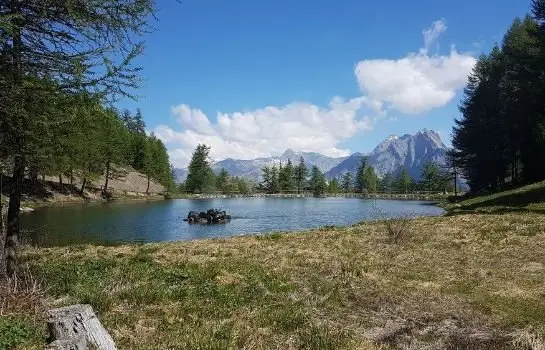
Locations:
column 347, row 182
column 300, row 175
column 317, row 181
column 200, row 176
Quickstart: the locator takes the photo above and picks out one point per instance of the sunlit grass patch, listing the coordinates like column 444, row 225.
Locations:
column 478, row 275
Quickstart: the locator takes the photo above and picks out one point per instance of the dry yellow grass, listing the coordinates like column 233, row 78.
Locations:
column 466, row 281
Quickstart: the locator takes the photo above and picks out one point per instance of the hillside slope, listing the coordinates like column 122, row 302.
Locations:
column 526, row 198
column 130, row 184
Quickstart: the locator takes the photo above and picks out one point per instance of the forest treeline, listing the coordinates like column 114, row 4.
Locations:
column 298, row 178
column 62, row 67
column 91, row 140
column 499, row 141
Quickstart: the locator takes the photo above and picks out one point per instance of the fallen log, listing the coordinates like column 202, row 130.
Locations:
column 76, row 327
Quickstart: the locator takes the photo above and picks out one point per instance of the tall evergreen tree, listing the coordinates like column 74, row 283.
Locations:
column 286, row 177
column 347, row 182
column 52, row 46
column 360, row 176
column 385, row 184
column 333, row 186
column 200, row 176
column 317, row 181
column 404, row 182
column 222, row 180
column 300, row 175
column 370, row 179
column 275, row 183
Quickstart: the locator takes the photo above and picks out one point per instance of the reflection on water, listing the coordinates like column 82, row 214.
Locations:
column 117, row 222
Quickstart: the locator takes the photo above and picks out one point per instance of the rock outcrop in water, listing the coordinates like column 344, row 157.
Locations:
column 212, row 216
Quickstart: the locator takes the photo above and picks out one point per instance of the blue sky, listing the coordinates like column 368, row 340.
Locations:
column 252, row 78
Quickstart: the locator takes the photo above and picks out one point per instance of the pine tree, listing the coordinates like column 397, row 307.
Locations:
column 370, row 179
column 113, row 145
column 222, row 180
column 317, row 181
column 333, row 186
column 55, row 47
column 286, row 177
column 266, row 175
column 200, row 176
column 404, row 182
column 385, row 184
column 300, row 175
column 275, row 184
column 347, row 183
column 360, row 176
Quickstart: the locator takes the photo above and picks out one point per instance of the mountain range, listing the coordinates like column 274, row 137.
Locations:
column 389, row 156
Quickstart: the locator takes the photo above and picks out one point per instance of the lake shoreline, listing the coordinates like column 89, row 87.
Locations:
column 384, row 196
column 156, row 221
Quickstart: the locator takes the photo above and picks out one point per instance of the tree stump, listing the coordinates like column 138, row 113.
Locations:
column 75, row 327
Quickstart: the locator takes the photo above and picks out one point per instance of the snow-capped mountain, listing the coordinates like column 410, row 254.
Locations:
column 389, row 156
column 409, row 151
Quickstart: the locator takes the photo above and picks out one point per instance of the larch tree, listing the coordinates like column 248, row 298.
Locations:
column 78, row 45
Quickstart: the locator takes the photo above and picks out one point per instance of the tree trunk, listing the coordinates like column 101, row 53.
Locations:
column 76, row 327
column 455, row 183
column 2, row 233
column 60, row 180
column 105, row 189
column 147, row 189
column 12, row 233
column 83, row 186
column 71, row 179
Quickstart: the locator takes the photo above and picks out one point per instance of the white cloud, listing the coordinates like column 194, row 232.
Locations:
column 432, row 33
column 418, row 82
column 270, row 130
column 412, row 84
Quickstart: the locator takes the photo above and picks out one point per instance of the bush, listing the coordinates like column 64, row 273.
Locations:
column 398, row 229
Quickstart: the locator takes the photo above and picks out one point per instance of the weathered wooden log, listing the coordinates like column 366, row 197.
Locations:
column 75, row 327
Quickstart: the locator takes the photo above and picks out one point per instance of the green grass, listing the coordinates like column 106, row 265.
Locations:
column 332, row 288
column 530, row 198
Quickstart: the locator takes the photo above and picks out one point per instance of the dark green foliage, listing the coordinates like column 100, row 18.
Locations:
column 317, row 181
column 333, row 186
column 370, row 179
column 366, row 178
column 156, row 162
column 286, row 177
column 404, row 183
column 433, row 178
column 200, row 177
column 300, row 175
column 222, row 180
column 347, row 183
column 50, row 52
column 500, row 139
column 386, row 183
column 360, row 176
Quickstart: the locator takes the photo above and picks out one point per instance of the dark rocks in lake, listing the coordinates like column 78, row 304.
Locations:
column 212, row 216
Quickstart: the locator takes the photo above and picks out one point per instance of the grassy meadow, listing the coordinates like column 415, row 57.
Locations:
column 463, row 281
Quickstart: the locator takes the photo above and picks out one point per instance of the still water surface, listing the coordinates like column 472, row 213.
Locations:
column 154, row 221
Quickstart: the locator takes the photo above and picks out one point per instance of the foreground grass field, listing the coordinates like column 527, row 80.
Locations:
column 459, row 282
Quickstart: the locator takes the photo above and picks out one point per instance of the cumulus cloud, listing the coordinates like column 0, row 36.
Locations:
column 270, row 130
column 412, row 84
column 418, row 82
